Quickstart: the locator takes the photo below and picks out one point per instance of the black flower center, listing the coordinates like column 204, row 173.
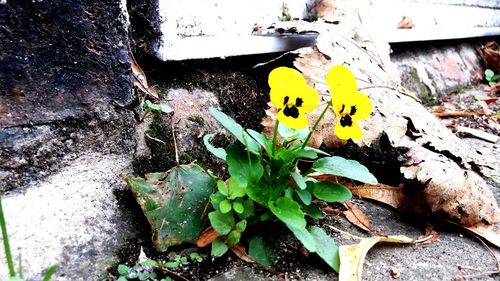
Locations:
column 353, row 110
column 291, row 111
column 298, row 102
column 346, row 120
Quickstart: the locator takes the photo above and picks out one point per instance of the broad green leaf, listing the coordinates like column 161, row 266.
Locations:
column 236, row 130
column 236, row 189
column 289, row 212
column 338, row 166
column 225, row 206
column 123, row 269
column 326, row 247
column 243, row 166
column 222, row 223
column 495, row 78
column 148, row 263
column 233, row 238
column 222, row 187
column 299, row 180
column 305, row 238
column 291, row 154
column 180, row 200
column 262, row 139
column 331, row 191
column 260, row 251
column 217, row 151
column 163, row 107
column 304, row 195
column 248, row 209
column 488, row 74
column 314, row 211
column 290, row 135
column 238, row 207
column 241, row 225
column 219, row 248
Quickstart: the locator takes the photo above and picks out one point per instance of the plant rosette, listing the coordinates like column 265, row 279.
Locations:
column 266, row 183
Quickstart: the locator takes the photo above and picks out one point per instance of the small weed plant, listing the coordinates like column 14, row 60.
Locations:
column 265, row 181
column 491, row 77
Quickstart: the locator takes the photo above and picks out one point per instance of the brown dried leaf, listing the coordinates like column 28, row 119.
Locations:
column 430, row 236
column 489, row 232
column 207, row 237
column 356, row 216
column 324, row 8
column 140, row 79
column 240, row 251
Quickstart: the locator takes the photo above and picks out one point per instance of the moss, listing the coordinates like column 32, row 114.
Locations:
column 197, row 119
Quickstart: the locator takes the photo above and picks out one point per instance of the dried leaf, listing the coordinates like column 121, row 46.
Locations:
column 489, row 232
column 240, row 251
column 430, row 236
column 140, row 79
column 356, row 216
column 352, row 256
column 207, row 237
column 324, row 8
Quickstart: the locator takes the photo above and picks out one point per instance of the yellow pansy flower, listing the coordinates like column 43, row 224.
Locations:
column 348, row 104
column 292, row 96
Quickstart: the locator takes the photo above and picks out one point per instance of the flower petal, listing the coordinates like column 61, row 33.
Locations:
column 348, row 132
column 340, row 80
column 309, row 97
column 284, row 82
column 363, row 106
column 298, row 123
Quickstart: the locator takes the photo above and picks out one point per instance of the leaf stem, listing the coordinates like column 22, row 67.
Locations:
column 6, row 245
column 316, row 124
column 275, row 134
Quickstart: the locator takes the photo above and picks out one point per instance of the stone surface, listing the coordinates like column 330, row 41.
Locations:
column 61, row 60
column 73, row 219
column 431, row 71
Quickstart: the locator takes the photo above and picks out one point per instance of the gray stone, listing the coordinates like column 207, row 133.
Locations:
column 72, row 219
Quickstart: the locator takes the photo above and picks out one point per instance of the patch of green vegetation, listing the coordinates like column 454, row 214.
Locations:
column 198, row 119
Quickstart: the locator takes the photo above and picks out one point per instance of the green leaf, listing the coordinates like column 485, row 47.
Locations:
column 495, row 78
column 241, row 225
column 262, row 194
column 123, row 269
column 238, row 207
column 326, row 247
column 289, row 212
column 236, row 189
column 338, row 166
column 148, row 263
column 233, row 238
column 290, row 135
column 222, row 223
column 219, row 248
column 121, row 278
column 248, row 209
column 314, row 211
column 217, row 151
column 51, row 271
column 304, row 195
column 196, row 257
column 331, row 191
column 216, row 198
column 172, row 264
column 299, row 180
column 180, row 200
column 243, row 166
column 488, row 74
column 225, row 206
column 236, row 130
column 163, row 107
column 222, row 187
column 260, row 251
column 262, row 139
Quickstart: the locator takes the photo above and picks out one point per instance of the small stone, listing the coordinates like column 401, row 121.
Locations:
column 395, row 273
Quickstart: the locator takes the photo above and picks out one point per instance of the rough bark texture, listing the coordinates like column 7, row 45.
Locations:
column 64, row 71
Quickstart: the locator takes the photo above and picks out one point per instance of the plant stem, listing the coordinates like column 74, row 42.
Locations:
column 6, row 245
column 273, row 149
column 316, row 124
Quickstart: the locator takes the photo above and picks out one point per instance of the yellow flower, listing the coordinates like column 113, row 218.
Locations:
column 348, row 104
column 292, row 96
